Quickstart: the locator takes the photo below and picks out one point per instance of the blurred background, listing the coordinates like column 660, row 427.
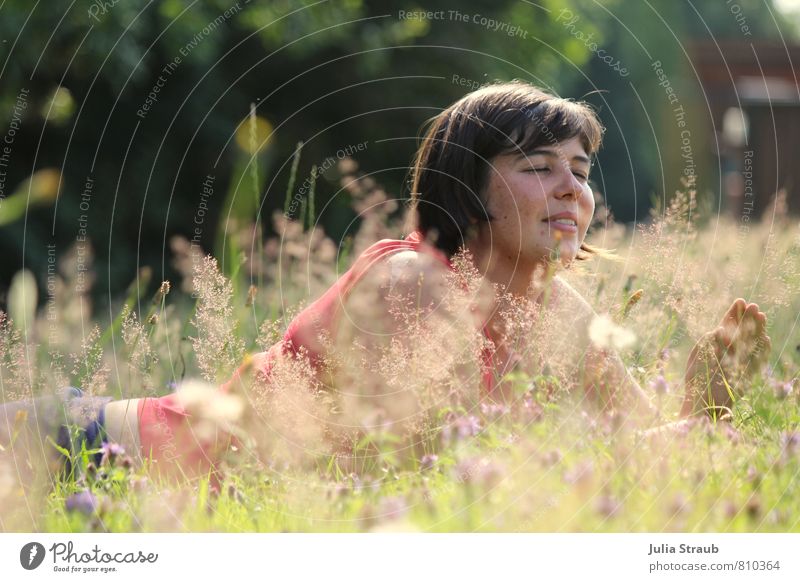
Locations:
column 125, row 123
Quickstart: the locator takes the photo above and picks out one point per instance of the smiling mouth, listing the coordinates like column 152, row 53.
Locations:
column 562, row 224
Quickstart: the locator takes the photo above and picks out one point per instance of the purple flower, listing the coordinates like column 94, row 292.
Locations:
column 782, row 390
column 461, row 427
column 82, row 501
column 494, row 411
column 581, row 473
column 533, row 410
column 392, row 507
column 427, row 462
column 110, row 452
column 551, row 458
column 790, row 443
column 680, row 505
column 608, row 506
column 659, row 385
column 467, row 426
column 480, row 470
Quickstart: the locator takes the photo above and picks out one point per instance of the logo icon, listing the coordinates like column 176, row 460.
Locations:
column 31, row 555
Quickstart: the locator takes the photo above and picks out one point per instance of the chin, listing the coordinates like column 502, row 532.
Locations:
column 567, row 254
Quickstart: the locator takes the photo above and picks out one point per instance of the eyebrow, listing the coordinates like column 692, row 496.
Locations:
column 552, row 154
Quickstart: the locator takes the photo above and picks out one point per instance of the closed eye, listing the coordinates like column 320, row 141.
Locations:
column 536, row 170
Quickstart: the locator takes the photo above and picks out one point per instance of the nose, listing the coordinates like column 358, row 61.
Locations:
column 569, row 186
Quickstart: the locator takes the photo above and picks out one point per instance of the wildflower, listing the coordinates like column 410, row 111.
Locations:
column 731, row 433
column 110, row 452
column 680, row 504
column 608, row 506
column 82, row 501
column 494, row 411
column 659, row 385
column 579, row 474
column 552, row 458
column 428, row 461
column 162, row 292
column 782, row 390
column 479, row 470
column 532, row 411
column 790, row 443
column 392, row 508
column 753, row 476
column 461, row 427
column 730, row 510
column 753, row 507
column 605, row 334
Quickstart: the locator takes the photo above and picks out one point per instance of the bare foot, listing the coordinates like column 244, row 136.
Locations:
column 724, row 359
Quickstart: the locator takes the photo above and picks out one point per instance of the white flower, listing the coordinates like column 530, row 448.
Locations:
column 606, row 334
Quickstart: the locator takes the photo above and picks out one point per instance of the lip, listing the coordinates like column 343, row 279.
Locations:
column 550, row 220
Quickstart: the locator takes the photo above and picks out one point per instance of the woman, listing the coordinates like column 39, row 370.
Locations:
column 502, row 174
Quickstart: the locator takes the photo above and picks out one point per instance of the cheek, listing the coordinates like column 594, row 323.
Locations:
column 587, row 206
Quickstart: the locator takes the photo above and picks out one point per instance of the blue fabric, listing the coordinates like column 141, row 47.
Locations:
column 89, row 413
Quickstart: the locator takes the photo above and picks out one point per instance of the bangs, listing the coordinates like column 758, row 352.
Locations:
column 548, row 123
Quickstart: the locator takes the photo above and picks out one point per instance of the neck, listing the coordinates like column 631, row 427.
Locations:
column 520, row 278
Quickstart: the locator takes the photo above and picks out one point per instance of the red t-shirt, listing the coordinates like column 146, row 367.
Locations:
column 165, row 430
column 323, row 314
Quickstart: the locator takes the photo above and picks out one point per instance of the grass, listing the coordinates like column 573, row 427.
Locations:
column 549, row 462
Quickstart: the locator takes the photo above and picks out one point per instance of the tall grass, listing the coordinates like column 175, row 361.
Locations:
column 393, row 434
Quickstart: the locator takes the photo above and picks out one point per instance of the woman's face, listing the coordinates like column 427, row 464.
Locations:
column 540, row 202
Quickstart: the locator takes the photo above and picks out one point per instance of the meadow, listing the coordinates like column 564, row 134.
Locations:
column 400, row 440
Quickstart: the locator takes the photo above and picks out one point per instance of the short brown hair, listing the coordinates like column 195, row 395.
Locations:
column 452, row 164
